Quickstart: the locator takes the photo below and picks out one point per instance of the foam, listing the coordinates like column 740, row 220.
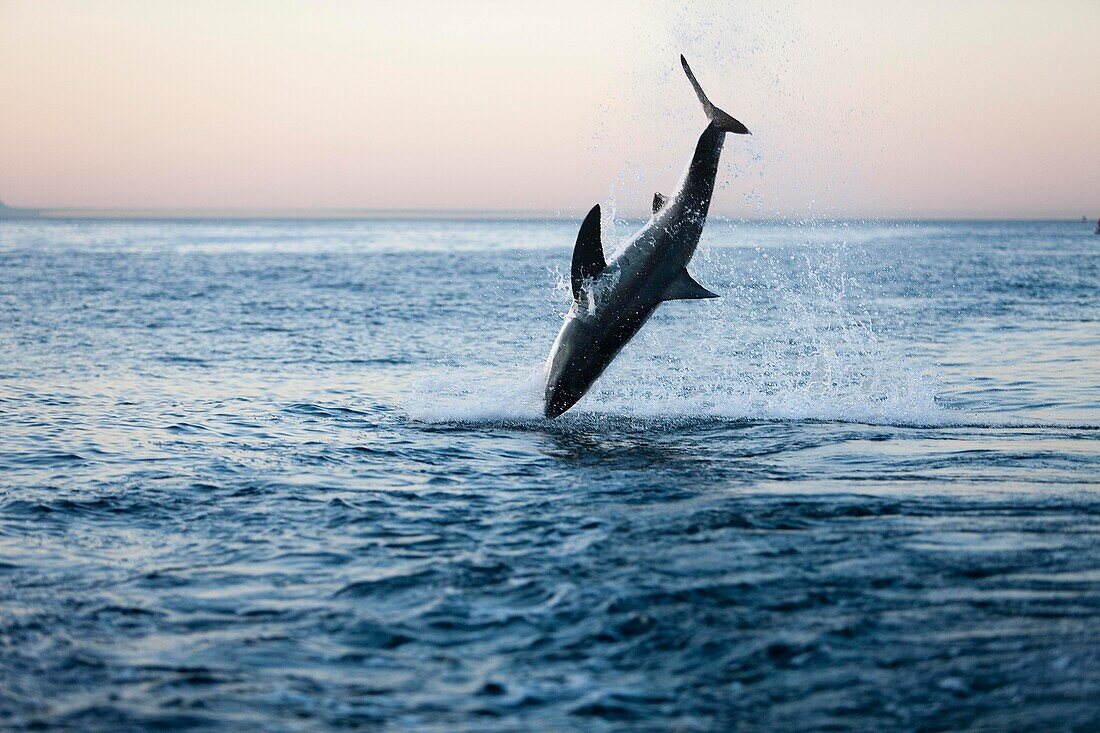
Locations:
column 792, row 338
column 796, row 336
column 469, row 397
column 465, row 397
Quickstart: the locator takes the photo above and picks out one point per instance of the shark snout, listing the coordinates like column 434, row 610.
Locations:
column 568, row 374
column 559, row 398
column 561, row 392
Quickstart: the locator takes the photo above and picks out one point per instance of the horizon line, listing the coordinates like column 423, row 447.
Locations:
column 317, row 214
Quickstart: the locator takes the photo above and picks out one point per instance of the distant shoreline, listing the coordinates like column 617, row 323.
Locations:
column 274, row 214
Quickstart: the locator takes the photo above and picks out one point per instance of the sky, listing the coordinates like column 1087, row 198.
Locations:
column 869, row 109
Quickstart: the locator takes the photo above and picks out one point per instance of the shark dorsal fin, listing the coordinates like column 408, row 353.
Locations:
column 658, row 202
column 684, row 287
column 588, row 261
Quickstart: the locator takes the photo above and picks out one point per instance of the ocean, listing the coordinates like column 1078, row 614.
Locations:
column 293, row 476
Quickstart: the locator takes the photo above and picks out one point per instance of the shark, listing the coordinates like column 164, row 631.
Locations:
column 613, row 300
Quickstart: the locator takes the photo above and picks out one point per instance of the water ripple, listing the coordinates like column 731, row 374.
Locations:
column 314, row 491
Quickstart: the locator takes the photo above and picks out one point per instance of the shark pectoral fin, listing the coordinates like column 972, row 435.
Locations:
column 684, row 287
column 588, row 261
column 658, row 202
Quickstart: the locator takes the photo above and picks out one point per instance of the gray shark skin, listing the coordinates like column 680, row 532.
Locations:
column 612, row 300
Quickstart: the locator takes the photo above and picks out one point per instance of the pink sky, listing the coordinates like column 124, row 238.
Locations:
column 862, row 108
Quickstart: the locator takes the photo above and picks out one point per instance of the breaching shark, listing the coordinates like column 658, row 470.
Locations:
column 612, row 300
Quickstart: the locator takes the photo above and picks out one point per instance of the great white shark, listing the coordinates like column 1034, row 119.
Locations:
column 612, row 300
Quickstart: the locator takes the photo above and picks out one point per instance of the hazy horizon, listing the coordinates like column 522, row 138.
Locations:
column 862, row 110
column 138, row 214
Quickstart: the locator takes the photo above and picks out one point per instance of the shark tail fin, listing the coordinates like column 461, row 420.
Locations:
column 720, row 119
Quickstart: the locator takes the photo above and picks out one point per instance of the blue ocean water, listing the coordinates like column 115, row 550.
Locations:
column 291, row 476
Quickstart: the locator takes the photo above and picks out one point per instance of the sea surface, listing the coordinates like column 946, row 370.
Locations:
column 292, row 476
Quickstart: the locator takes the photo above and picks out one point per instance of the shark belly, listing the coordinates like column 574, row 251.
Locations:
column 587, row 344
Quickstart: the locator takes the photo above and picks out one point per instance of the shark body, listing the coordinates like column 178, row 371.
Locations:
column 613, row 300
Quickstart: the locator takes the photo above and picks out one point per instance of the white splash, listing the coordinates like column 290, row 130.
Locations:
column 792, row 339
column 459, row 397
